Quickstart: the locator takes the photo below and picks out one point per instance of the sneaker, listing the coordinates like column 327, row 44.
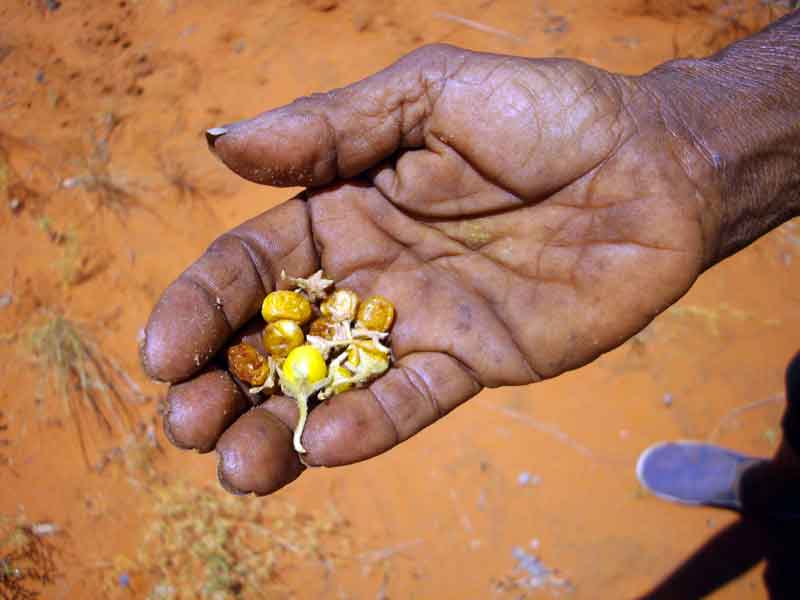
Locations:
column 694, row 473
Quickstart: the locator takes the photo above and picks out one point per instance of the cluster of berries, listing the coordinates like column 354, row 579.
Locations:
column 316, row 343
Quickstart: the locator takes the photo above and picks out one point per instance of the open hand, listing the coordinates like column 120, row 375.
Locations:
column 524, row 216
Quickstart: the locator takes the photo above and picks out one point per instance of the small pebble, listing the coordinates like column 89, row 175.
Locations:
column 71, row 182
column 526, row 478
column 531, row 564
column 324, row 5
column 124, row 580
column 5, row 300
column 42, row 529
column 667, row 399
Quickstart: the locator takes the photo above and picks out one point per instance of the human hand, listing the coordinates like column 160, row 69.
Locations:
column 524, row 216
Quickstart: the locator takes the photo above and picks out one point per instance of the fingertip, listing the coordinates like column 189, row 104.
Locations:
column 285, row 147
column 200, row 410
column 256, row 455
column 171, row 349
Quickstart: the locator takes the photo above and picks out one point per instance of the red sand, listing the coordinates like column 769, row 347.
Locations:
column 438, row 517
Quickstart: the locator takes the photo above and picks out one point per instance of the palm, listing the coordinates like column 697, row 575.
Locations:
column 532, row 225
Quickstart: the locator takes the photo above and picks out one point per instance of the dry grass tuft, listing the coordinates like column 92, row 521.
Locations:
column 69, row 265
column 181, row 181
column 114, row 191
column 27, row 561
column 97, row 391
column 200, row 542
column 190, row 181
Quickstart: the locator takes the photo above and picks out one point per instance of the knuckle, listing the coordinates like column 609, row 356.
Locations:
column 431, row 54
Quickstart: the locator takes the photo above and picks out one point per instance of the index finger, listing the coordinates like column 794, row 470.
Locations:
column 220, row 292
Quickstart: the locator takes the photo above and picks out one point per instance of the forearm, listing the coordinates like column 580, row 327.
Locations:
column 741, row 109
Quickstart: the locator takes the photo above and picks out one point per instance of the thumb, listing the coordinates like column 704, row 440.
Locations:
column 341, row 133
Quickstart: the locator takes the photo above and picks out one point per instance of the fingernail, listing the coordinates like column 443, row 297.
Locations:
column 213, row 134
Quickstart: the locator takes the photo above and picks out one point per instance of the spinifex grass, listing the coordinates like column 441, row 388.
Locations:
column 112, row 190
column 27, row 561
column 97, row 392
column 189, row 187
column 203, row 543
column 198, row 542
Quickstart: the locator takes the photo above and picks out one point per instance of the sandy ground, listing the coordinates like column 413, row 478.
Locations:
column 107, row 192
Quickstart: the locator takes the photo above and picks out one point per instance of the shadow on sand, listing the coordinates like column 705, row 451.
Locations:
column 734, row 551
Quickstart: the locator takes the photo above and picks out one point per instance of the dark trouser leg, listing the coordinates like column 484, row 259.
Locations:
column 771, row 494
column 781, row 576
column 791, row 419
column 771, row 490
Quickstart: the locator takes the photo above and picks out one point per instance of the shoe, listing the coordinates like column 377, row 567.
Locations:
column 694, row 473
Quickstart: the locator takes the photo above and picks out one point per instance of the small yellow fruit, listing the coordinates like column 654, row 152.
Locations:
column 341, row 305
column 376, row 313
column 281, row 337
column 284, row 304
column 303, row 367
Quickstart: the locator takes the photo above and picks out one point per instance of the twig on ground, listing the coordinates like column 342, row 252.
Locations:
column 740, row 410
column 478, row 26
column 548, row 428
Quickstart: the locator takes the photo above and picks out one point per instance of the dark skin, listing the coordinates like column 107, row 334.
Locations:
column 525, row 216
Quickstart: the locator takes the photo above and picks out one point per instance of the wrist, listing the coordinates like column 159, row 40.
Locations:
column 739, row 112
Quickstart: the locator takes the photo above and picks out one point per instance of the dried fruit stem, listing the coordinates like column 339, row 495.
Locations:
column 302, row 407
